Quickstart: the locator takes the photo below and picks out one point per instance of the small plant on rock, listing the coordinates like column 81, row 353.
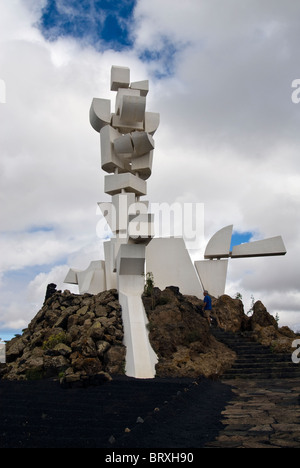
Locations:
column 149, row 285
column 54, row 340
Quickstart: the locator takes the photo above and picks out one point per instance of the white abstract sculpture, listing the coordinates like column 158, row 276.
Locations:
column 127, row 146
column 213, row 272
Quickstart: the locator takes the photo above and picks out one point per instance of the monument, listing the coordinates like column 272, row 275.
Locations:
column 127, row 150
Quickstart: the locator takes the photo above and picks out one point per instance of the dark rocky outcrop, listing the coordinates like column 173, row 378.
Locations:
column 261, row 325
column 181, row 336
column 51, row 289
column 266, row 331
column 229, row 313
column 80, row 337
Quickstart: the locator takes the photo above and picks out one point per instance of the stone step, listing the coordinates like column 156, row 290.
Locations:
column 267, row 370
column 262, row 367
column 288, row 374
column 254, row 360
column 246, row 350
column 262, row 375
column 274, row 357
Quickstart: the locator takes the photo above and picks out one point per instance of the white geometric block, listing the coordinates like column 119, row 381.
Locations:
column 119, row 78
column 140, row 357
column 116, row 183
column 110, row 265
column 262, row 248
column 139, row 207
column 92, row 280
column 212, row 274
column 219, row 244
column 152, row 120
column 122, row 203
column 123, row 146
column 121, row 93
column 71, row 277
column 132, row 109
column 100, row 113
column 98, row 282
column 143, row 165
column 125, row 127
column 171, row 265
column 115, row 244
column 142, row 86
column 131, row 260
column 121, row 211
column 84, row 280
column 143, row 143
column 107, row 210
column 141, row 228
column 110, row 161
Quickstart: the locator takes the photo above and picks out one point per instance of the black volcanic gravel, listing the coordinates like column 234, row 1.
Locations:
column 173, row 413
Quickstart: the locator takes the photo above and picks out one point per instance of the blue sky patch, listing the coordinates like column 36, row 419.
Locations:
column 20, row 278
column 99, row 22
column 105, row 24
column 40, row 229
column 240, row 238
column 164, row 55
column 6, row 334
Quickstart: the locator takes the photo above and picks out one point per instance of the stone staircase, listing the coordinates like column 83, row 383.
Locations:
column 255, row 361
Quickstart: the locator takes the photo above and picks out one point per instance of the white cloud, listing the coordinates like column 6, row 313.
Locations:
column 37, row 287
column 228, row 135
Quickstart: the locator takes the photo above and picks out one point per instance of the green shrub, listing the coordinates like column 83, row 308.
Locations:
column 148, row 290
column 54, row 340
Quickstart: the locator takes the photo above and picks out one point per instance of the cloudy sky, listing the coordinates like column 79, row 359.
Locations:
column 221, row 76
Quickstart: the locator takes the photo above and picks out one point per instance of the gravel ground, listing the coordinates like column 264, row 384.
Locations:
column 124, row 413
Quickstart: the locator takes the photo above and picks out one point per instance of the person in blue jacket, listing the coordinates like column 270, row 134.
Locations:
column 207, row 306
column 211, row 317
